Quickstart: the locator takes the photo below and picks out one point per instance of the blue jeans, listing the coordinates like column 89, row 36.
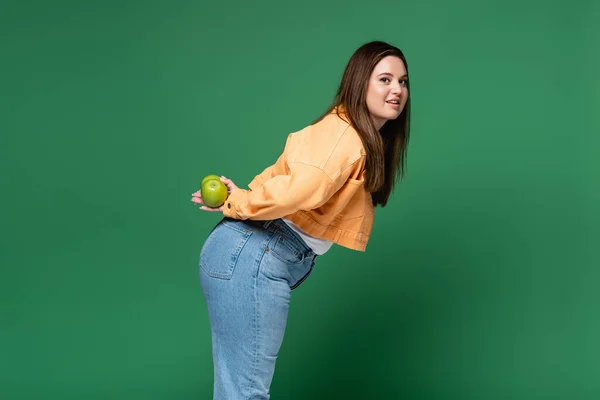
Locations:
column 247, row 272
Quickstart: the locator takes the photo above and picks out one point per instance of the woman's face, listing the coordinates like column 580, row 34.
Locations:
column 387, row 90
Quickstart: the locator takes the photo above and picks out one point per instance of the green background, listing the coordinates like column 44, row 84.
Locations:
column 481, row 277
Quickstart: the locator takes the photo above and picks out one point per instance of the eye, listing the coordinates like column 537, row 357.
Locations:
column 385, row 80
column 404, row 82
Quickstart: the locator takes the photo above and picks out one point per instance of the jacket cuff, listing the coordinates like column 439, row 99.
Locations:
column 231, row 208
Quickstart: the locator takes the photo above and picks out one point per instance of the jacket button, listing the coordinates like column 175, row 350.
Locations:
column 228, row 205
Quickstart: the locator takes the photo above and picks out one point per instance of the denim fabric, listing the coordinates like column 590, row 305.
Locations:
column 247, row 272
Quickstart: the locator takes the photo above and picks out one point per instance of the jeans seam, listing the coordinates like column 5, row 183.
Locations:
column 235, row 228
column 256, row 310
column 312, row 265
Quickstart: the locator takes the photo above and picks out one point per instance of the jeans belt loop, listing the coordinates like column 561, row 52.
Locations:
column 267, row 223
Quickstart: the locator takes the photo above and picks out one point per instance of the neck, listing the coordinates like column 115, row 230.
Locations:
column 379, row 122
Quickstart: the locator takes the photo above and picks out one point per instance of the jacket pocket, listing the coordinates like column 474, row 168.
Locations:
column 222, row 248
column 352, row 197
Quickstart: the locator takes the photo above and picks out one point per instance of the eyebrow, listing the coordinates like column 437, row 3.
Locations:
column 387, row 73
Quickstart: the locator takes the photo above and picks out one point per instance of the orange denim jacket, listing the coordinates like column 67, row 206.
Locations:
column 317, row 183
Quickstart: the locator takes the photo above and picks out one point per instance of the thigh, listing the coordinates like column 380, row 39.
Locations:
column 247, row 311
column 228, row 265
column 283, row 267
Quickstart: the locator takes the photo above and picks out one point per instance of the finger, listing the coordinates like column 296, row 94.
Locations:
column 230, row 185
column 210, row 209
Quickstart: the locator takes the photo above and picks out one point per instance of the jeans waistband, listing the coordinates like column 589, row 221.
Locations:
column 278, row 225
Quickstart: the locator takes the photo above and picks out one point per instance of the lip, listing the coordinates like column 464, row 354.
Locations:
column 396, row 106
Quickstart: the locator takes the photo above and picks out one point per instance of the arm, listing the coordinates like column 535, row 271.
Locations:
column 305, row 187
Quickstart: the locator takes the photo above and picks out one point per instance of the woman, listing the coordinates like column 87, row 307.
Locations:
column 322, row 190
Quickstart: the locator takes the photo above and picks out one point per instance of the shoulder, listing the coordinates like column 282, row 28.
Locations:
column 330, row 141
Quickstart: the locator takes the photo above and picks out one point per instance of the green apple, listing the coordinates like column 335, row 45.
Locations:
column 207, row 177
column 213, row 191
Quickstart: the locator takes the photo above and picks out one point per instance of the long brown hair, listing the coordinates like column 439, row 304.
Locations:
column 386, row 148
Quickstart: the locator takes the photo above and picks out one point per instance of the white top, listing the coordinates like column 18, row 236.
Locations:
column 319, row 246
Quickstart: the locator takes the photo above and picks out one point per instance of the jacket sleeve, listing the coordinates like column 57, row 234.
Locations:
column 305, row 187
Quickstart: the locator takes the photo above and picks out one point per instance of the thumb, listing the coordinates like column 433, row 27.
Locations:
column 227, row 182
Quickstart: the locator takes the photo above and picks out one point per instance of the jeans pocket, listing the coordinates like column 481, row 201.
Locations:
column 287, row 250
column 222, row 248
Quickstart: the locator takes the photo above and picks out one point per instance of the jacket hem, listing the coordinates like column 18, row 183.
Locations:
column 342, row 237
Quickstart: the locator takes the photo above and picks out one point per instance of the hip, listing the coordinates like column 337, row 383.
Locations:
column 270, row 248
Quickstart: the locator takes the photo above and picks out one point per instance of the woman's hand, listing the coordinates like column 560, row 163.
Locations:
column 197, row 197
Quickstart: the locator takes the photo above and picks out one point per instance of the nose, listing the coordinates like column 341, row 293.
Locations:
column 397, row 88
